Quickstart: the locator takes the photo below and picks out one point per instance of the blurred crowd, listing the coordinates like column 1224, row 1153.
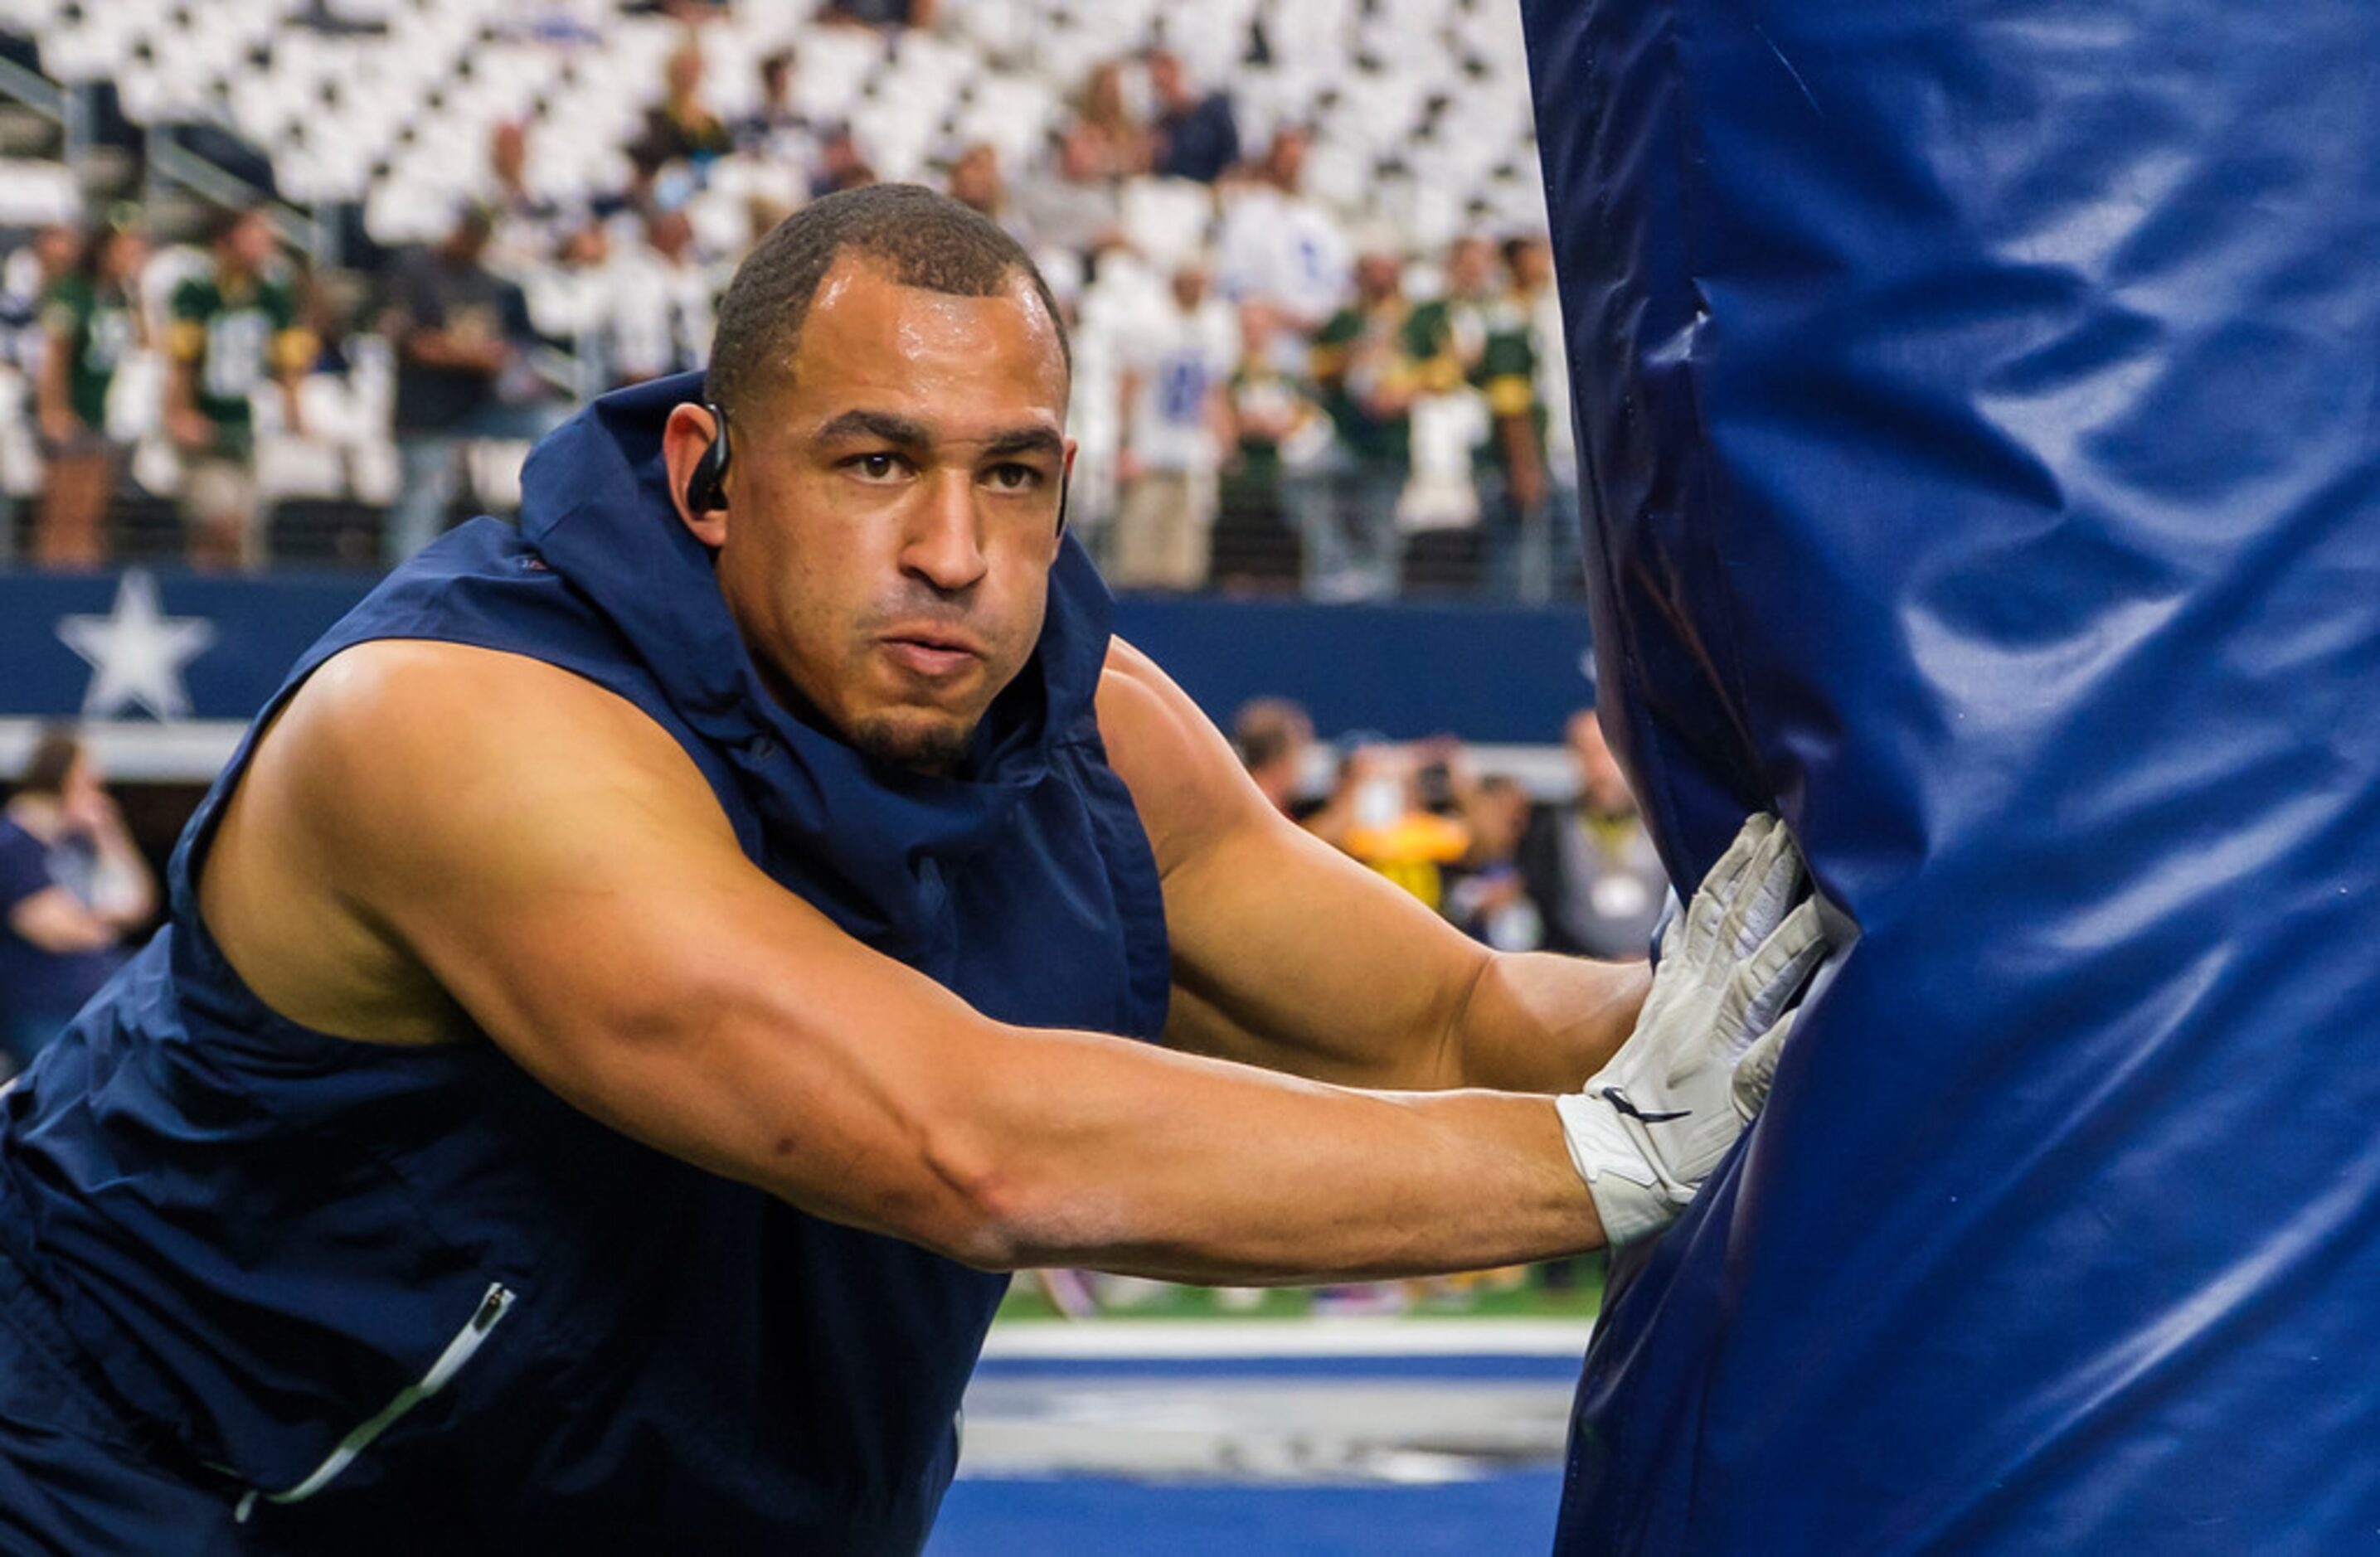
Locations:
column 1270, row 395
column 1575, row 873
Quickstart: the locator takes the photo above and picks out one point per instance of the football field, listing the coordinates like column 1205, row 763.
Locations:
column 1194, row 1432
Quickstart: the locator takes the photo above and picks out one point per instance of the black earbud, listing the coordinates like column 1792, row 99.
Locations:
column 1066, row 486
column 706, row 485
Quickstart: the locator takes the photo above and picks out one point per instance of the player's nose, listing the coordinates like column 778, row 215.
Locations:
column 944, row 543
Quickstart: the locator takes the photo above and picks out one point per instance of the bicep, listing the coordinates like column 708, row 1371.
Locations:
column 596, row 919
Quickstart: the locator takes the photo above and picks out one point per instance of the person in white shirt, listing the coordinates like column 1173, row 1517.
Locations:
column 661, row 301
column 1175, row 373
column 1280, row 245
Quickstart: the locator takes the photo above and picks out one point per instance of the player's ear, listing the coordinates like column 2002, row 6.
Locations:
column 1065, row 488
column 694, row 448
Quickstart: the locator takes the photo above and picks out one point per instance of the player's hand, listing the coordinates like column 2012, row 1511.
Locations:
column 1652, row 1124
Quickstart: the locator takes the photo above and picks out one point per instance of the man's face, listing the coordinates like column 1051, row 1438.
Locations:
column 1533, row 265
column 1165, row 77
column 974, row 180
column 893, row 509
column 250, row 242
column 1470, row 268
column 1286, row 160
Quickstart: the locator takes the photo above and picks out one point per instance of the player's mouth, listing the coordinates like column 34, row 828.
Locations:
column 932, row 652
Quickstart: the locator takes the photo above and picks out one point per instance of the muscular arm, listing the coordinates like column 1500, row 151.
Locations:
column 1289, row 955
column 432, row 830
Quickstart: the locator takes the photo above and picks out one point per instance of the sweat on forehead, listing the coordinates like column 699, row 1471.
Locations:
column 915, row 237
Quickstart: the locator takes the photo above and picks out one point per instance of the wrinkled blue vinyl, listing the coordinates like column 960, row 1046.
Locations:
column 1978, row 409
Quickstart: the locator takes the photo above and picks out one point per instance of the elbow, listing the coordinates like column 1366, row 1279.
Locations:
column 995, row 1207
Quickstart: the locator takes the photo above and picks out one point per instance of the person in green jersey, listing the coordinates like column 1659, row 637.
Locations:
column 232, row 330
column 1512, row 465
column 91, row 323
column 1372, row 359
column 1534, row 348
column 1275, row 437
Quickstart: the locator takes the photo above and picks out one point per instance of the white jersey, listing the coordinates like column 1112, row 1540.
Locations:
column 1179, row 360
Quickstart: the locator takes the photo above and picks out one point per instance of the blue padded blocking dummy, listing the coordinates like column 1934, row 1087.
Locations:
column 1977, row 406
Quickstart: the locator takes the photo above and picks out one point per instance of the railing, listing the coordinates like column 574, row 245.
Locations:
column 166, row 160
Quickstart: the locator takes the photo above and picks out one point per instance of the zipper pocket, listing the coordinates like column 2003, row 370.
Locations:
column 468, row 1340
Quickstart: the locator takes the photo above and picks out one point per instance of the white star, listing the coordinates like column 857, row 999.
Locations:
column 136, row 651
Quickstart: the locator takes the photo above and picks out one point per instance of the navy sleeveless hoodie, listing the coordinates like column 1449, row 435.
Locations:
column 404, row 1300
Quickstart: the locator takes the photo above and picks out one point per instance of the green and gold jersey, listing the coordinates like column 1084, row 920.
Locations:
column 235, row 340
column 1395, row 347
column 99, row 328
column 1507, row 373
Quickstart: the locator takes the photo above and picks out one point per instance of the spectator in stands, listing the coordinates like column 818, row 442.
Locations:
column 1175, row 369
column 1116, row 138
column 31, row 272
column 1073, row 208
column 1378, row 814
column 1273, row 436
column 682, row 127
column 1530, row 261
column 1447, row 420
column 92, row 320
column 1278, row 243
column 1487, row 897
column 1372, row 359
column 976, row 183
column 1272, row 736
column 461, row 334
column 234, row 329
column 528, row 224
column 1195, row 134
column 72, row 885
column 570, row 300
column 1590, row 866
column 840, row 165
column 777, row 127
column 662, row 301
column 1471, row 288
column 1503, row 366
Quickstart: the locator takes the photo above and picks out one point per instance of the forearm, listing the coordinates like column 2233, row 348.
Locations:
column 1160, row 1165
column 1534, row 1022
column 1007, row 1147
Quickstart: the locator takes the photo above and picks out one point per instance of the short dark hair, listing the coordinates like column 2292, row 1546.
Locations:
column 224, row 221
column 52, row 758
column 1269, row 729
column 921, row 238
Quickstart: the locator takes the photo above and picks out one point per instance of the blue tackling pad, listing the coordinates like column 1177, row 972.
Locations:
column 1979, row 419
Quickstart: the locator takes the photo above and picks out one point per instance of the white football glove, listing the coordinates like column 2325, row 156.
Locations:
column 1653, row 1123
